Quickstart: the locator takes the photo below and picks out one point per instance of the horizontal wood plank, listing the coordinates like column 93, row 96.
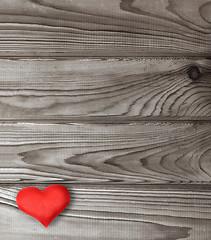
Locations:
column 105, row 28
column 83, row 152
column 147, row 87
column 116, row 213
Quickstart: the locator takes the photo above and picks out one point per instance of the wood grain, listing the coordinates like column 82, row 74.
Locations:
column 105, row 87
column 116, row 213
column 105, row 28
column 83, row 152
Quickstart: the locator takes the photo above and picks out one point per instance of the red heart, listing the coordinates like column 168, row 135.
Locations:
column 43, row 205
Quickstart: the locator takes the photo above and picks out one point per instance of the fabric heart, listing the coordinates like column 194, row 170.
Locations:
column 43, row 205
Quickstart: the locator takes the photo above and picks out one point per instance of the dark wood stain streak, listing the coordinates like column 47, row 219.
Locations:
column 172, row 7
column 104, row 28
column 131, row 153
column 116, row 212
column 105, row 87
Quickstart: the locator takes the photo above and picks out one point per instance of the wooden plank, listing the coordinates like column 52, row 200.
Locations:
column 116, row 213
column 83, row 152
column 105, row 28
column 105, row 87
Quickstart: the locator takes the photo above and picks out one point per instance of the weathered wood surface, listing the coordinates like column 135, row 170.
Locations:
column 105, row 87
column 105, row 28
column 116, row 213
column 109, row 159
column 128, row 153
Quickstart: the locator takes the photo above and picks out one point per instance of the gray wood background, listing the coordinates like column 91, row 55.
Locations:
column 132, row 87
column 111, row 98
column 105, row 28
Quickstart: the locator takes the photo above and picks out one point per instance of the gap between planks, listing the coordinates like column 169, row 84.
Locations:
column 108, row 120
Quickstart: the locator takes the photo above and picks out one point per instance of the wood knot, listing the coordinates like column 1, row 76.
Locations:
column 194, row 73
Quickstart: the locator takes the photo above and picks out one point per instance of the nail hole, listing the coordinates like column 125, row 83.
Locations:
column 194, row 73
